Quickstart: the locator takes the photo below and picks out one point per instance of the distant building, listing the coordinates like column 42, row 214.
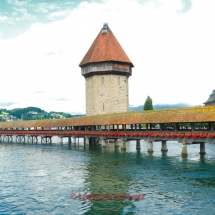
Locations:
column 211, row 100
column 106, row 69
column 6, row 117
column 33, row 112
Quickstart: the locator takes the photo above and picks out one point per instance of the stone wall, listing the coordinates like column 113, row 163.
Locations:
column 106, row 94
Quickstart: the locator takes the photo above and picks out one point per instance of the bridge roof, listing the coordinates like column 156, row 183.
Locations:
column 105, row 48
column 176, row 115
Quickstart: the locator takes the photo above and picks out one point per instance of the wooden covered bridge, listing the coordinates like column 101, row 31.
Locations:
column 185, row 125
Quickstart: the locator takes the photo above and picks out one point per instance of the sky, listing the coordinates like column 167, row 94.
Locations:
column 171, row 44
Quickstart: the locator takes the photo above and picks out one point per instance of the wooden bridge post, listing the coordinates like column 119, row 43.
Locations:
column 161, row 126
column 192, row 126
column 212, row 126
column 94, row 140
column 32, row 139
column 147, row 126
column 69, row 140
column 13, row 136
column 103, row 143
column 123, row 145
column 86, row 141
column 138, row 145
column 100, row 141
column 184, row 148
column 202, row 148
column 116, row 143
column 176, row 127
column 91, row 140
column 61, row 140
column 74, row 140
column 164, row 146
column 150, row 146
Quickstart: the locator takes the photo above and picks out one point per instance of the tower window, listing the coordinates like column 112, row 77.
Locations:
column 103, row 106
column 118, row 80
column 103, row 81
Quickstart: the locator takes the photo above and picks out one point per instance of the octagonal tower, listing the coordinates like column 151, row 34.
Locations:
column 106, row 69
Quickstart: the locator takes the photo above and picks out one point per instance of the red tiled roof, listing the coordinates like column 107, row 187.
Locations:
column 105, row 48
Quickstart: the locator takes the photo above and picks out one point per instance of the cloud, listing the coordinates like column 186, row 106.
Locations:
column 5, row 104
column 19, row 3
column 173, row 53
column 45, row 7
column 3, row 18
column 49, row 53
column 187, row 5
column 55, row 52
column 59, row 14
column 59, row 99
column 39, row 92
column 24, row 14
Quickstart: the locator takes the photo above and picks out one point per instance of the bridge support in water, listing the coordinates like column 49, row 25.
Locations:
column 9, row 138
column 100, row 140
column 20, row 138
column 184, row 149
column 74, row 140
column 116, row 143
column 164, row 146
column 202, row 148
column 138, row 145
column 2, row 138
column 45, row 139
column 69, row 140
column 32, row 139
column 103, row 142
column 86, row 140
column 60, row 139
column 123, row 145
column 150, row 146
column 6, row 138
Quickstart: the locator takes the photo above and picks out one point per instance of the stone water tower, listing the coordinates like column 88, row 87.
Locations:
column 106, row 69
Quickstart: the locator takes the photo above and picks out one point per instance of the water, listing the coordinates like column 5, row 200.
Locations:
column 40, row 179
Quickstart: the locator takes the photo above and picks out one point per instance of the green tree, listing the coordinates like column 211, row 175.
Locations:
column 148, row 104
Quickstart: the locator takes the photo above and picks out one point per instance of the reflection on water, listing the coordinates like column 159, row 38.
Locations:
column 39, row 179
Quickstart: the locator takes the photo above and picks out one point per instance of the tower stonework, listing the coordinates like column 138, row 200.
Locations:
column 106, row 69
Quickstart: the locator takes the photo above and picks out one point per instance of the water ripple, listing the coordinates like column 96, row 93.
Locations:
column 39, row 179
